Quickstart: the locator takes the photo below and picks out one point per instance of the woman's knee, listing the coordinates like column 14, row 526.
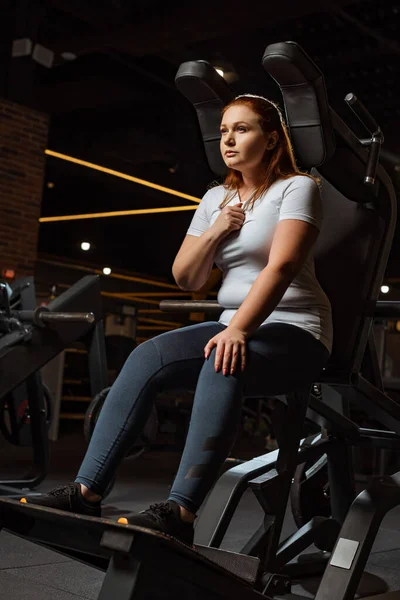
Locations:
column 144, row 356
column 212, row 377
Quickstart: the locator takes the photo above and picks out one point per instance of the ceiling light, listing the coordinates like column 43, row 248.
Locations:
column 68, row 55
column 107, row 271
column 226, row 70
column 43, row 56
column 385, row 289
column 85, row 246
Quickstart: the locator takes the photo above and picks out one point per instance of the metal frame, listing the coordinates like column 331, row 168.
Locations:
column 130, row 554
column 343, row 573
column 20, row 363
column 24, row 298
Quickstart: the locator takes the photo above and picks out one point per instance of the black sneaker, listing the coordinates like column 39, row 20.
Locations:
column 68, row 498
column 165, row 517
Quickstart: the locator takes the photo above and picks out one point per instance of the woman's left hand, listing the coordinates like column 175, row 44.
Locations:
column 231, row 350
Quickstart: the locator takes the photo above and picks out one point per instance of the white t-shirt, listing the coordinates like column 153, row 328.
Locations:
column 243, row 254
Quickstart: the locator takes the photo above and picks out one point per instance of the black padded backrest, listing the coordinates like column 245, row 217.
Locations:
column 354, row 244
column 347, row 267
column 209, row 93
column 306, row 105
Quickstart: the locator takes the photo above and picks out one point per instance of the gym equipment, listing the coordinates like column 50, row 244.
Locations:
column 351, row 258
column 356, row 537
column 17, row 302
column 141, row 445
column 348, row 172
column 30, row 336
column 15, row 417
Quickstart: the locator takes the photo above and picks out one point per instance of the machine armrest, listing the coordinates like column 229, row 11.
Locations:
column 387, row 310
column 383, row 310
column 210, row 306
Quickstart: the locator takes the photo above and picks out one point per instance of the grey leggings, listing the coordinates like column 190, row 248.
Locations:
column 280, row 358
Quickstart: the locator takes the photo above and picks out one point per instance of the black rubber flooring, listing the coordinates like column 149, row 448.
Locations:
column 31, row 572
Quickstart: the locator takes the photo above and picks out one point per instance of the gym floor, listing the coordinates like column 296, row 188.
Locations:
column 30, row 572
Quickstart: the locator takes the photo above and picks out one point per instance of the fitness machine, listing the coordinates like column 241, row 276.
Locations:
column 359, row 221
column 30, row 337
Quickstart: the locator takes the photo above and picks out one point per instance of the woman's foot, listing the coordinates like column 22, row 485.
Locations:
column 166, row 517
column 88, row 495
column 69, row 498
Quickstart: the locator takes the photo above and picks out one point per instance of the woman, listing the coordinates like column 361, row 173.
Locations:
column 260, row 228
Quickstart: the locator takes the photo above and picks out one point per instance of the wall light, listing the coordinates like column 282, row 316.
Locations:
column 107, row 271
column 385, row 289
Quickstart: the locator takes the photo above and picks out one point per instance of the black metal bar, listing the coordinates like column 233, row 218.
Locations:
column 40, row 440
column 64, row 317
column 226, row 493
column 24, row 294
column 122, row 579
column 269, row 491
column 362, row 113
column 257, row 541
column 387, row 309
column 42, row 316
column 4, row 300
column 341, row 481
column 370, row 368
column 318, row 529
column 95, row 343
column 383, row 309
column 329, row 419
column 378, row 404
column 346, row 565
column 287, row 460
column 190, row 306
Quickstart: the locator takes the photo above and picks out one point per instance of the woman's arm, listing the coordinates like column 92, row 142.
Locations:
column 195, row 259
column 293, row 239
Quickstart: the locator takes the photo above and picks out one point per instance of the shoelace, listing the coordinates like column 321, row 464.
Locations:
column 159, row 511
column 64, row 490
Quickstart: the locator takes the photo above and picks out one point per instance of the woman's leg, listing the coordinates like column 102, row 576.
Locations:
column 172, row 360
column 280, row 358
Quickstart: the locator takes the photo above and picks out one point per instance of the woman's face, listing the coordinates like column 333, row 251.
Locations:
column 243, row 142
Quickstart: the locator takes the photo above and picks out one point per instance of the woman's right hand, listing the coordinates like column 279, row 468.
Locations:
column 231, row 218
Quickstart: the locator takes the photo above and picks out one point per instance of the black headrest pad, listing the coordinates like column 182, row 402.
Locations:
column 209, row 93
column 306, row 105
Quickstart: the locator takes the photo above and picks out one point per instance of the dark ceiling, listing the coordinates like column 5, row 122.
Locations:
column 115, row 104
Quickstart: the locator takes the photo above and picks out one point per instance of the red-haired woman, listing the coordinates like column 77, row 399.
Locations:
column 260, row 228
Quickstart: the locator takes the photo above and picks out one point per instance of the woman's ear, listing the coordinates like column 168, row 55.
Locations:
column 272, row 140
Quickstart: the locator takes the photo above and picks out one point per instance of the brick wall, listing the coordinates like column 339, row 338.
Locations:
column 23, row 138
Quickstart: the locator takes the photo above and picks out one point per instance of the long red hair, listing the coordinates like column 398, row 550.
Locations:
column 279, row 163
